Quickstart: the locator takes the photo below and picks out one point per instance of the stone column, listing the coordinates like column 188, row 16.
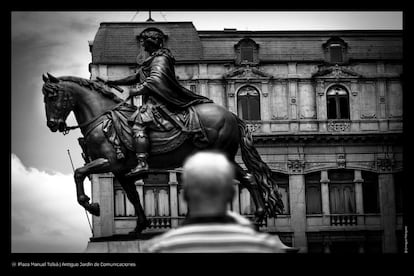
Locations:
column 388, row 212
column 321, row 105
column 139, row 184
column 103, row 194
column 359, row 196
column 236, row 198
column 231, row 99
column 293, row 99
column 298, row 210
column 265, row 106
column 203, row 88
column 325, row 197
column 173, row 198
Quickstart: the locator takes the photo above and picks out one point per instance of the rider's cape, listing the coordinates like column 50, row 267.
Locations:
column 158, row 80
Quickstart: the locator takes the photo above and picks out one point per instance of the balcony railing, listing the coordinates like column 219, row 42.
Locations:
column 343, row 219
column 164, row 203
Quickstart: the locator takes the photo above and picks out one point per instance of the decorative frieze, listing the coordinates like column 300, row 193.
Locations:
column 338, row 126
column 274, row 117
column 385, row 164
column 368, row 116
column 341, row 161
column 253, row 127
column 296, row 165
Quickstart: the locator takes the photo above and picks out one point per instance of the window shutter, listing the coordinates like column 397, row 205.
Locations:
column 336, row 53
column 246, row 53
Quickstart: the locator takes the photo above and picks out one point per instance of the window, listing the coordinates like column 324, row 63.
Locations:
column 338, row 102
column 342, row 191
column 335, row 50
column 193, row 88
column 282, row 181
column 370, row 192
column 313, row 193
column 246, row 51
column 248, row 103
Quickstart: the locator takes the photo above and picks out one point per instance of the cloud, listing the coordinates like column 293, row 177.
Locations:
column 45, row 214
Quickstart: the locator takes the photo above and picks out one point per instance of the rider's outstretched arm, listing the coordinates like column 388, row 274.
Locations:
column 130, row 80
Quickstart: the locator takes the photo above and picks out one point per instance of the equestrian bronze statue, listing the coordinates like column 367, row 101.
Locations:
column 172, row 123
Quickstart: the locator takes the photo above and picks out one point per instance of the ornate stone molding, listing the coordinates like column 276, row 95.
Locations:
column 285, row 117
column 253, row 127
column 368, row 116
column 246, row 72
column 335, row 72
column 341, row 160
column 296, row 165
column 385, row 164
column 338, row 126
column 307, row 117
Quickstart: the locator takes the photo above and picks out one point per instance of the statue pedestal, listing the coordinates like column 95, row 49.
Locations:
column 117, row 244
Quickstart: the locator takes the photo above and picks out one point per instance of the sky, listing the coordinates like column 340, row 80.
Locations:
column 45, row 214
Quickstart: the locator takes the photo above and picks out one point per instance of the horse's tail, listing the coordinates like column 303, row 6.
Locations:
column 261, row 172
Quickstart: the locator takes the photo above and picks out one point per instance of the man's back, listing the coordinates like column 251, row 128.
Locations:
column 215, row 236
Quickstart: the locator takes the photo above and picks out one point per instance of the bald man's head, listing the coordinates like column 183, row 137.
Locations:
column 208, row 179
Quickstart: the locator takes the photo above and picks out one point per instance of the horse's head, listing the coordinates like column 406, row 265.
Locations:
column 58, row 102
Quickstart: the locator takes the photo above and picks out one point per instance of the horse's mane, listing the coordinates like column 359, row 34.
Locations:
column 92, row 85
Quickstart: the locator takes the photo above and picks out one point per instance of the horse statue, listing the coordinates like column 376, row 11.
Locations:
column 96, row 108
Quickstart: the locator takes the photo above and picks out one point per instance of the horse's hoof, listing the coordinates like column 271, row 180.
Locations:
column 83, row 200
column 94, row 209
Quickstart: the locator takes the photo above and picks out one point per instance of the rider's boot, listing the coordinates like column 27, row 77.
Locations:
column 141, row 148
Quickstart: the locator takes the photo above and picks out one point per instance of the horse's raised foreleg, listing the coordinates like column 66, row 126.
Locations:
column 100, row 165
column 128, row 185
column 246, row 181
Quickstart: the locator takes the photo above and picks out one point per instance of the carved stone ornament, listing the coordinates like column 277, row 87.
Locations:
column 296, row 165
column 338, row 126
column 254, row 127
column 285, row 117
column 368, row 116
column 341, row 161
column 335, row 72
column 385, row 164
column 247, row 72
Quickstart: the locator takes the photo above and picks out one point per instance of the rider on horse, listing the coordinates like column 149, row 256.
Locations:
column 159, row 88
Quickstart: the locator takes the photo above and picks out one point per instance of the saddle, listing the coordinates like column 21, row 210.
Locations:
column 165, row 137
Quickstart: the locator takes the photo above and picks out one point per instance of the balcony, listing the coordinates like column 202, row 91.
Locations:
column 164, row 204
column 343, row 220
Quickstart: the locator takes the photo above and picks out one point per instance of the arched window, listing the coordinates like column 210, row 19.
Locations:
column 246, row 51
column 337, row 99
column 335, row 50
column 248, row 103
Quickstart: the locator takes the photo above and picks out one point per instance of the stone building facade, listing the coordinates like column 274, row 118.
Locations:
column 325, row 108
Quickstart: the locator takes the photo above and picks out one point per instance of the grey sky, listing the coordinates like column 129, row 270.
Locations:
column 57, row 42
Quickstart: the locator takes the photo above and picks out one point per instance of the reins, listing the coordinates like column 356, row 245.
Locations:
column 69, row 128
